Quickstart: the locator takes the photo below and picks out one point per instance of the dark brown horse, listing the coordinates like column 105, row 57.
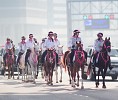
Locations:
column 9, row 63
column 49, row 65
column 103, row 62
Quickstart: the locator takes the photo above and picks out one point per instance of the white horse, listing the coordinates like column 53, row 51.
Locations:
column 33, row 63
column 60, row 55
column 22, row 67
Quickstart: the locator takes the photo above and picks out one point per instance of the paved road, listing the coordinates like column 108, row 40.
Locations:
column 18, row 90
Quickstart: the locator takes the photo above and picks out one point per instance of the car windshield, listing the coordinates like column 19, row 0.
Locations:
column 114, row 53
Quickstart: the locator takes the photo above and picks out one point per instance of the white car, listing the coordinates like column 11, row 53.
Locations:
column 114, row 63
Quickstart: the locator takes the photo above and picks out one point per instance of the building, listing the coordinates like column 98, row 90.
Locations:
column 22, row 17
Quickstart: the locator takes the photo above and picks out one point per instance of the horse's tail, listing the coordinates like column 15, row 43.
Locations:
column 64, row 58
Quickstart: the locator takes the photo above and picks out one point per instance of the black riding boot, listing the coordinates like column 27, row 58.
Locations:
column 26, row 56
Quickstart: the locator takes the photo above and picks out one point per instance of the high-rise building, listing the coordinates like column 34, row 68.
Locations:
column 22, row 17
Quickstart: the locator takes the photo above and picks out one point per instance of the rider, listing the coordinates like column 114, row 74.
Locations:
column 56, row 43
column 29, row 45
column 98, row 44
column 72, row 44
column 22, row 48
column 42, row 45
column 49, row 44
column 8, row 45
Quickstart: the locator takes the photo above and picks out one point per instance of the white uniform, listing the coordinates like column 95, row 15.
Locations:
column 42, row 47
column 22, row 47
column 30, row 44
column 98, row 44
column 49, row 44
column 8, row 46
column 73, row 41
column 56, row 43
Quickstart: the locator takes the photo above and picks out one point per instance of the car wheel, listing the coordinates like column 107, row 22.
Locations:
column 91, row 75
column 2, row 71
column 114, row 77
column 84, row 76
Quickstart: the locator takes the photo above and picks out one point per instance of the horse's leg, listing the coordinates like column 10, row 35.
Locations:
column 69, row 74
column 37, row 71
column 34, row 73
column 9, row 70
column 23, row 75
column 82, row 70
column 26, row 72
column 103, row 71
column 72, row 75
column 77, row 77
column 52, row 68
column 94, row 71
column 60, row 73
column 97, row 81
column 4, row 71
column 18, row 71
column 56, row 73
column 13, row 70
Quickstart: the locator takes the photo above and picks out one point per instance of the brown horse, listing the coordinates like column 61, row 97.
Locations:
column 9, row 63
column 78, row 63
column 49, row 65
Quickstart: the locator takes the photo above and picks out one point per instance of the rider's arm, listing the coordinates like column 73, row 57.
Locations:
column 94, row 46
column 69, row 44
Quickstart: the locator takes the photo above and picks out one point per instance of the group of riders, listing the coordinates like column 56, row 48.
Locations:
column 52, row 42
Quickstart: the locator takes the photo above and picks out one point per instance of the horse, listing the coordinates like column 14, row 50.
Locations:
column 9, row 63
column 33, row 62
column 78, row 65
column 103, row 62
column 79, row 61
column 49, row 65
column 61, row 65
column 22, row 67
column 66, row 61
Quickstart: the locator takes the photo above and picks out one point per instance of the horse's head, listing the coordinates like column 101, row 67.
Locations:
column 79, row 46
column 107, row 45
column 10, row 51
column 36, row 49
column 60, row 50
column 50, row 55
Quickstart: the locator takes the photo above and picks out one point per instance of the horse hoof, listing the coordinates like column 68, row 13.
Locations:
column 96, row 86
column 77, row 85
column 34, row 82
column 51, row 83
column 73, row 86
column 60, row 81
column 17, row 77
column 104, row 86
column 70, row 82
column 56, row 81
column 82, row 87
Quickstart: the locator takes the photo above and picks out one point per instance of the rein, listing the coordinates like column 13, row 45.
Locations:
column 80, row 61
column 105, row 60
column 48, row 56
